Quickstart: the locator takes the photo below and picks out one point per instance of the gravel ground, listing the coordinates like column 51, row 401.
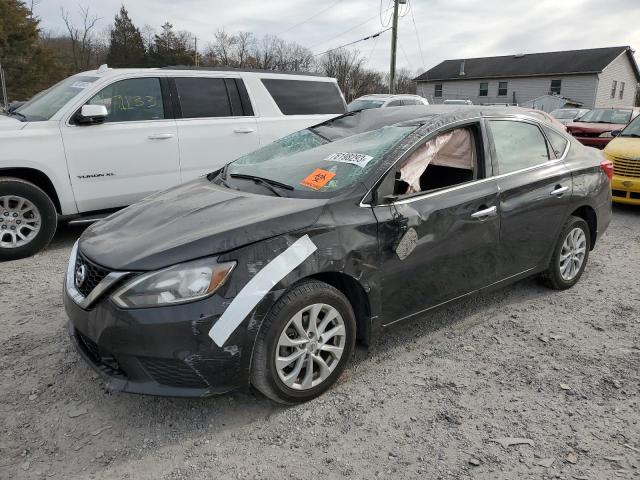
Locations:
column 558, row 371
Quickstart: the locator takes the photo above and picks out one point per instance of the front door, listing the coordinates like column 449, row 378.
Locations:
column 132, row 154
column 214, row 125
column 439, row 242
column 535, row 194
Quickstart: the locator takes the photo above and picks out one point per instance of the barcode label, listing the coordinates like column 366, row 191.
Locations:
column 359, row 159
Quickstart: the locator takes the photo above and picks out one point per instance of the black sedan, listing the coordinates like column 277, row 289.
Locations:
column 268, row 271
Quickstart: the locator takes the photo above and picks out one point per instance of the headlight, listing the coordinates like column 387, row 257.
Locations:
column 178, row 284
column 605, row 135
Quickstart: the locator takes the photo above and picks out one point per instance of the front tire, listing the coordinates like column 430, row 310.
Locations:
column 570, row 255
column 28, row 219
column 304, row 343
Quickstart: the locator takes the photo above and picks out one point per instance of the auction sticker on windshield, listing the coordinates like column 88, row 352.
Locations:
column 359, row 159
column 318, row 179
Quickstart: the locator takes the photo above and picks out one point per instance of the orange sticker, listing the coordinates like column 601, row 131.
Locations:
column 318, row 179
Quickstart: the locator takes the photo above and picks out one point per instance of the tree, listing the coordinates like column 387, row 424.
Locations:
column 170, row 48
column 28, row 65
column 126, row 47
column 82, row 40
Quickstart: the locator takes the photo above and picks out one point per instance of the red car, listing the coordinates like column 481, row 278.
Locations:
column 594, row 127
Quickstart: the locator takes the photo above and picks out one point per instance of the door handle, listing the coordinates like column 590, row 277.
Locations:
column 160, row 136
column 559, row 190
column 485, row 213
column 244, row 130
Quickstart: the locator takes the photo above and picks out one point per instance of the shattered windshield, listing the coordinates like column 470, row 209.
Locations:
column 306, row 162
column 607, row 115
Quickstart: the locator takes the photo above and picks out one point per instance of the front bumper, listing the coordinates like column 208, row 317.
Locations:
column 625, row 190
column 597, row 142
column 160, row 351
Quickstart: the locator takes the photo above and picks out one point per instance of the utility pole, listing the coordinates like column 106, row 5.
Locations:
column 394, row 45
column 195, row 59
column 3, row 87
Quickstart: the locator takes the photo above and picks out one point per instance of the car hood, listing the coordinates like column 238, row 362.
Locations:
column 11, row 123
column 624, row 147
column 593, row 127
column 190, row 221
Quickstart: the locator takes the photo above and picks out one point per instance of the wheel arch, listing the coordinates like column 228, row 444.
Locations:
column 38, row 178
column 357, row 296
column 588, row 214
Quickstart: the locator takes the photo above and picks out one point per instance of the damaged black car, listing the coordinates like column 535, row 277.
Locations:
column 268, row 271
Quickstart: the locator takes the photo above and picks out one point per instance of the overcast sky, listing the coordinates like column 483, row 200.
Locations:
column 445, row 28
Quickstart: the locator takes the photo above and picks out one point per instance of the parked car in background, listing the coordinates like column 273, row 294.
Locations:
column 624, row 152
column 381, row 100
column 453, row 101
column 568, row 115
column 266, row 271
column 594, row 127
column 547, row 117
column 104, row 139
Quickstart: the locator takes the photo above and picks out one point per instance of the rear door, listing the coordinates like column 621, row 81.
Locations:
column 535, row 193
column 215, row 123
column 132, row 154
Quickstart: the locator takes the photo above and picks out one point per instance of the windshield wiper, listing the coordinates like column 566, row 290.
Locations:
column 267, row 182
column 17, row 114
column 633, row 135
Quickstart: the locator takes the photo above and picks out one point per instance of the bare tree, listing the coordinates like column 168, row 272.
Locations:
column 244, row 44
column 223, row 47
column 82, row 41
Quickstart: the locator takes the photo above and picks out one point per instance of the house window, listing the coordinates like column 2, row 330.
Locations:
column 621, row 90
column 484, row 89
column 556, row 86
column 438, row 90
column 614, row 86
column 502, row 89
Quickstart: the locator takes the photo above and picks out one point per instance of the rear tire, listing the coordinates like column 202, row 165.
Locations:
column 304, row 343
column 570, row 255
column 28, row 219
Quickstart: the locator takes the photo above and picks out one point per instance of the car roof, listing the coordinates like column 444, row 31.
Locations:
column 372, row 119
column 382, row 96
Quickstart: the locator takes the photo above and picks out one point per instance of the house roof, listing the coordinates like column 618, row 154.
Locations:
column 567, row 62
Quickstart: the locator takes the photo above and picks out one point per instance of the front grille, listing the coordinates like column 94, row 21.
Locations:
column 585, row 134
column 619, row 193
column 173, row 373
column 93, row 273
column 626, row 167
column 104, row 360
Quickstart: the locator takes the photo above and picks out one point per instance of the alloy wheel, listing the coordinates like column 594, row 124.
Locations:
column 310, row 346
column 20, row 221
column 574, row 249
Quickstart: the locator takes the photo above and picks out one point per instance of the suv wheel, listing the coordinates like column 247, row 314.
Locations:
column 304, row 344
column 570, row 255
column 28, row 219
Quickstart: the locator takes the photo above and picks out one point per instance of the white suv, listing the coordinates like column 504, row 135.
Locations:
column 104, row 139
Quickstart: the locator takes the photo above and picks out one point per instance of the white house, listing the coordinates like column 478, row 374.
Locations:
column 597, row 77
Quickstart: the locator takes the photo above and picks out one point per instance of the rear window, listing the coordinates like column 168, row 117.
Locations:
column 303, row 97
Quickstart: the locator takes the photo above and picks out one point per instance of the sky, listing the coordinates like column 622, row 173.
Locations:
column 430, row 31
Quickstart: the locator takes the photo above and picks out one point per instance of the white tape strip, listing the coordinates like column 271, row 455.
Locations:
column 261, row 284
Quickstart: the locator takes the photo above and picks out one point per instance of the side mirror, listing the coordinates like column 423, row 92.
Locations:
column 90, row 114
column 615, row 133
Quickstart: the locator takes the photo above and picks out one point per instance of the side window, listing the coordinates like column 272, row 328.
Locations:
column 557, row 141
column 131, row 100
column 517, row 145
column 305, row 97
column 394, row 103
column 446, row 160
column 203, row 97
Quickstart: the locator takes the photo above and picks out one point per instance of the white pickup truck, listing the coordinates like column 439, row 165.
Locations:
column 104, row 139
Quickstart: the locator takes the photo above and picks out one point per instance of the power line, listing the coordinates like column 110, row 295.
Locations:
column 347, row 31
column 375, row 35
column 385, row 24
column 415, row 27
column 310, row 18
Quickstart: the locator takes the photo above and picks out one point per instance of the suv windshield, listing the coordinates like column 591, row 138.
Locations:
column 632, row 130
column 607, row 115
column 364, row 104
column 310, row 164
column 46, row 103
